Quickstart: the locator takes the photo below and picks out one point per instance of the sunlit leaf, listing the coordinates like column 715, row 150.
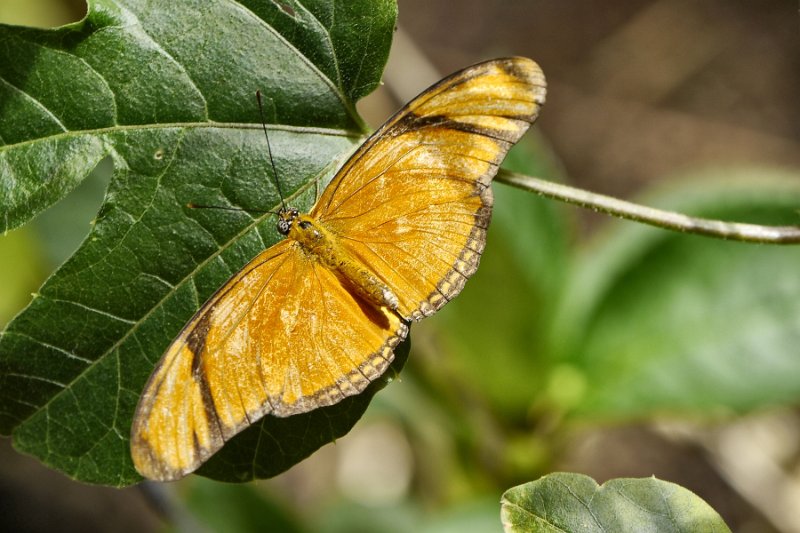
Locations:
column 166, row 91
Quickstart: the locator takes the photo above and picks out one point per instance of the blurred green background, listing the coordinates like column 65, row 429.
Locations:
column 582, row 344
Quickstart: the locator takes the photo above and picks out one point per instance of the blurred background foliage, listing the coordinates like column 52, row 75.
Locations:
column 582, row 344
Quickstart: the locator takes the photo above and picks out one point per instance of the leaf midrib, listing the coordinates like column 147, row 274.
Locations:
column 329, row 132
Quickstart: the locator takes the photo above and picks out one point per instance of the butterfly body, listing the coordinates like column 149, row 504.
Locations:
column 322, row 245
column 316, row 317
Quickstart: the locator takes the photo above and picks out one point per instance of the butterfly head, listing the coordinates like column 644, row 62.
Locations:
column 286, row 217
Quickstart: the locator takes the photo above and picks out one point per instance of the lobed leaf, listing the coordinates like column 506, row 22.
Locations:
column 167, row 92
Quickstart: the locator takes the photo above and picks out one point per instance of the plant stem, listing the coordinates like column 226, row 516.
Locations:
column 655, row 217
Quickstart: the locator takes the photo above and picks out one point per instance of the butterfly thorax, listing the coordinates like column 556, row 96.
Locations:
column 323, row 245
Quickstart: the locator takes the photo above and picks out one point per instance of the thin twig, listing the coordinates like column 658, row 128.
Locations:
column 655, row 217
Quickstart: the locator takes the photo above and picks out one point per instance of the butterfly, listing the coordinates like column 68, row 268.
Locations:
column 315, row 318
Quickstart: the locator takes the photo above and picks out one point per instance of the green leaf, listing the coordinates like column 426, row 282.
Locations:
column 662, row 322
column 565, row 502
column 167, row 93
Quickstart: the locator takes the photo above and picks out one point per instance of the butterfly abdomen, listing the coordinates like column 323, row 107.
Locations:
column 323, row 245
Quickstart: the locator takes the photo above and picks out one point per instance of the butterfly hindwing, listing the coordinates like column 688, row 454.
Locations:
column 413, row 203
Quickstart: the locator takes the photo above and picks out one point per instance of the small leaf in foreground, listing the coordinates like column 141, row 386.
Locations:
column 562, row 502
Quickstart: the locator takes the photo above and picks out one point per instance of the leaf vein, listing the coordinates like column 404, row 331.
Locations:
column 51, row 346
column 35, row 378
column 36, row 102
column 92, row 309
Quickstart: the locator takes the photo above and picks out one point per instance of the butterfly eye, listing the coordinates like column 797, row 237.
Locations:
column 284, row 226
column 285, row 219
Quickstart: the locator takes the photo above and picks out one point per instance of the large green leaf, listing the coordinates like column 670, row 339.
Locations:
column 166, row 90
column 564, row 502
column 662, row 322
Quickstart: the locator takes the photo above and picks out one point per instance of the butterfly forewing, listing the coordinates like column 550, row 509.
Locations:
column 414, row 201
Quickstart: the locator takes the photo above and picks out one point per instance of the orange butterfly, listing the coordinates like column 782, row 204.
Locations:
column 316, row 317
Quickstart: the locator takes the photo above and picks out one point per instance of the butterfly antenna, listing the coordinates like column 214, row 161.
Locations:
column 269, row 151
column 192, row 205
